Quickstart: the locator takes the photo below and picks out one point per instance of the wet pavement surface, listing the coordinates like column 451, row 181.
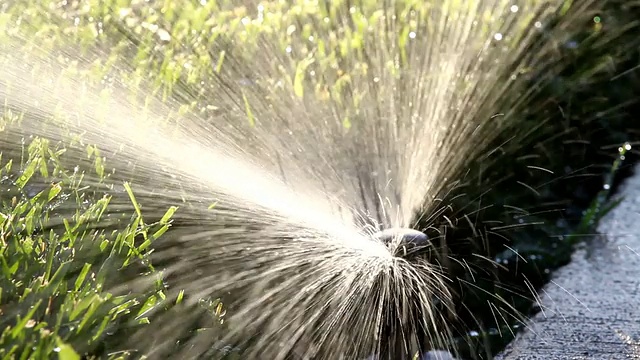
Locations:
column 591, row 308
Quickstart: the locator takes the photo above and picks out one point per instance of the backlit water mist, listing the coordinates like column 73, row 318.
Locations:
column 287, row 153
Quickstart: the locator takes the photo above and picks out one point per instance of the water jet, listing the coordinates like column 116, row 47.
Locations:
column 357, row 115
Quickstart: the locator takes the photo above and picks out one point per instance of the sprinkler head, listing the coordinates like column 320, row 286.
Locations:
column 408, row 241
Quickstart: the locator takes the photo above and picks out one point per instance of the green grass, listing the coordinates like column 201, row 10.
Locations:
column 55, row 262
column 171, row 34
column 55, row 267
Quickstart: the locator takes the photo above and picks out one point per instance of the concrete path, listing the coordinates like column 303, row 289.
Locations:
column 591, row 309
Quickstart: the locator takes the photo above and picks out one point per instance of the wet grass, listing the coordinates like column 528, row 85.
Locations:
column 53, row 274
column 52, row 299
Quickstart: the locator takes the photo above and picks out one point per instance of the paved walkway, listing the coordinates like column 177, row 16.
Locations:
column 591, row 309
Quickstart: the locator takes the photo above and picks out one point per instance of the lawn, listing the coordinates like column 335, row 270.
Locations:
column 65, row 239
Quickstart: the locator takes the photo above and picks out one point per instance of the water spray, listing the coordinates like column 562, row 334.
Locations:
column 278, row 156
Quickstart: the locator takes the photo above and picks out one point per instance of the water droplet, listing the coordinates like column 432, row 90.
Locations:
column 538, row 24
column 288, row 49
column 412, row 35
column 164, row 35
column 606, row 186
column 571, row 44
column 497, row 36
column 514, row 8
